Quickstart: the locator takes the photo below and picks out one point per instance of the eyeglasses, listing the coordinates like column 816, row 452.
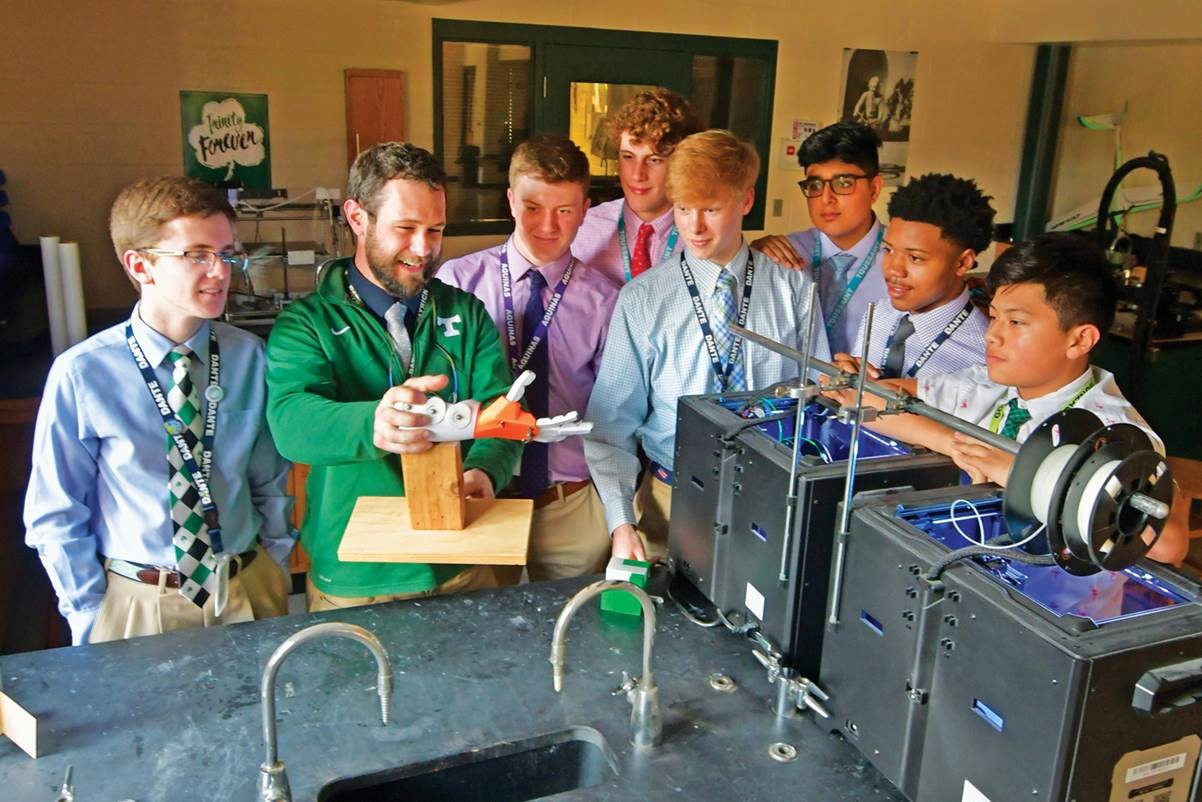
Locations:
column 842, row 184
column 206, row 260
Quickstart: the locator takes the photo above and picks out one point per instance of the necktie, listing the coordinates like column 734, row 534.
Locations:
column 190, row 535
column 640, row 260
column 831, row 288
column 1016, row 416
column 895, row 360
column 394, row 319
column 535, row 476
column 724, row 318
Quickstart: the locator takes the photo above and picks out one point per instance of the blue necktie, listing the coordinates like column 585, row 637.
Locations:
column 837, row 270
column 725, row 311
column 535, row 476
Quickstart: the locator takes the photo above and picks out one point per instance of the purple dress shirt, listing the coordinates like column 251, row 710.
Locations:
column 576, row 336
column 596, row 242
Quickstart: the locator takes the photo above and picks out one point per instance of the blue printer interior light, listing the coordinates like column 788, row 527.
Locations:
column 1105, row 596
column 823, row 435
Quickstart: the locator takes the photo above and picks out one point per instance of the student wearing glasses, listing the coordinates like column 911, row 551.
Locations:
column 379, row 330
column 156, row 500
column 844, row 248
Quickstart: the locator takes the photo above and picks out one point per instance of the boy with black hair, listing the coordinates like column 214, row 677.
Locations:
column 1053, row 298
column 937, row 225
column 842, row 182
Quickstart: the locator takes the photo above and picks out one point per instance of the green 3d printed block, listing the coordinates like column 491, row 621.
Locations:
column 619, row 601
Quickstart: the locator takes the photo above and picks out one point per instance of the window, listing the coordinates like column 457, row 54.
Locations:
column 496, row 84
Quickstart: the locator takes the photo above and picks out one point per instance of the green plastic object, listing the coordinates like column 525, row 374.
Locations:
column 619, row 601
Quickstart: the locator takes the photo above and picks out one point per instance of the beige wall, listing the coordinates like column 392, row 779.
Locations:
column 89, row 100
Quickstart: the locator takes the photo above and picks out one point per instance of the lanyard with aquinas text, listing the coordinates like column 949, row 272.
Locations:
column 931, row 348
column 995, row 423
column 518, row 362
column 624, row 247
column 175, row 427
column 850, row 290
column 707, row 332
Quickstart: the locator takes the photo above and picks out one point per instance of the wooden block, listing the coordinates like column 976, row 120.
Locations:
column 380, row 530
column 434, row 487
column 19, row 725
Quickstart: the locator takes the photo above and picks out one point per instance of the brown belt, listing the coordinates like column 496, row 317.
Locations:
column 556, row 492
column 150, row 574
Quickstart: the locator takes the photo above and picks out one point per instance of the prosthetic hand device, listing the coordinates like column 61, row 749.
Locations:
column 503, row 418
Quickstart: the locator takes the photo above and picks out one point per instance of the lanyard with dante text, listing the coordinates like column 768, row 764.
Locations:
column 930, row 350
column 518, row 362
column 850, row 290
column 707, row 332
column 624, row 247
column 995, row 423
column 175, row 427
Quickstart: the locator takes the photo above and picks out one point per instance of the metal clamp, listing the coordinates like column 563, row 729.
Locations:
column 793, row 693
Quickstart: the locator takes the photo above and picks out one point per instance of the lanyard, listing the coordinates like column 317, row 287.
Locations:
column 707, row 332
column 625, row 248
column 948, row 330
column 175, row 427
column 540, row 331
column 995, row 423
column 865, row 265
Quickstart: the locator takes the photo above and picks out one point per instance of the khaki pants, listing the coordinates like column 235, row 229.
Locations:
column 568, row 538
column 131, row 609
column 475, row 577
column 652, row 508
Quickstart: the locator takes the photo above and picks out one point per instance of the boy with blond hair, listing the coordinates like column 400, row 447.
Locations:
column 671, row 336
column 156, row 500
column 628, row 236
column 560, row 308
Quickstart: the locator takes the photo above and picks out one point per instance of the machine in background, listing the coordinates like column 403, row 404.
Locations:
column 731, row 532
column 989, row 679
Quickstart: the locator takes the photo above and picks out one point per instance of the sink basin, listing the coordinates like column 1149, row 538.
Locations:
column 513, row 771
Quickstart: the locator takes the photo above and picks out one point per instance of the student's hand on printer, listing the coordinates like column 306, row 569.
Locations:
column 851, row 364
column 982, row 463
column 627, row 544
column 780, row 250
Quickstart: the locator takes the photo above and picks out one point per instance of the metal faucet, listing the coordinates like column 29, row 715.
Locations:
column 645, row 719
column 273, row 781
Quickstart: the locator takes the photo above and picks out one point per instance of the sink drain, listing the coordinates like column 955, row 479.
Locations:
column 722, row 683
column 782, row 752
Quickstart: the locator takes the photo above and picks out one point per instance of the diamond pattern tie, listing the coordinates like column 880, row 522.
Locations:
column 640, row 260
column 1016, row 416
column 394, row 319
column 724, row 317
column 895, row 360
column 536, row 476
column 190, row 534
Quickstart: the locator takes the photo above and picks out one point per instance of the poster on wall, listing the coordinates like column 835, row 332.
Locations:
column 878, row 91
column 226, row 138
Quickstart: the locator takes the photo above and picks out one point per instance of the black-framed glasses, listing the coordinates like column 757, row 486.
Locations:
column 204, row 259
column 842, row 184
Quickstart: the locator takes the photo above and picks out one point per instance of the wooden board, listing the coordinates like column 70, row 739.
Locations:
column 434, row 487
column 19, row 725
column 497, row 533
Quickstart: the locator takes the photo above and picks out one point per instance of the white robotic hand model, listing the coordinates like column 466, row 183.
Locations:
column 503, row 418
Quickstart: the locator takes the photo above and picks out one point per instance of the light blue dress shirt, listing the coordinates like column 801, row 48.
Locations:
column 655, row 354
column 98, row 487
column 966, row 345
column 870, row 289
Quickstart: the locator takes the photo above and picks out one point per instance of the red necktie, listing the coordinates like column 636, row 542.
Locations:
column 640, row 260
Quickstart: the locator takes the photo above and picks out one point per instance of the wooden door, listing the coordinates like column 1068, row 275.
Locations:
column 375, row 109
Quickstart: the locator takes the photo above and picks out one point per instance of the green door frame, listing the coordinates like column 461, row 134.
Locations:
column 1048, row 82
column 538, row 37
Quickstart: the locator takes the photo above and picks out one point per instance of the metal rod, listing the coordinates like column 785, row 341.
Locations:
column 853, row 456
column 802, row 380
column 904, row 401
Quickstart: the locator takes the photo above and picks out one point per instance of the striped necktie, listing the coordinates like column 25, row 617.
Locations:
column 724, row 317
column 190, row 534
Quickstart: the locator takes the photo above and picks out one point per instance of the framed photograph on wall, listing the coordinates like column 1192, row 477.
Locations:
column 225, row 138
column 878, row 91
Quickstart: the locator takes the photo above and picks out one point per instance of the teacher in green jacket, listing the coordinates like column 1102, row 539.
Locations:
column 379, row 329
